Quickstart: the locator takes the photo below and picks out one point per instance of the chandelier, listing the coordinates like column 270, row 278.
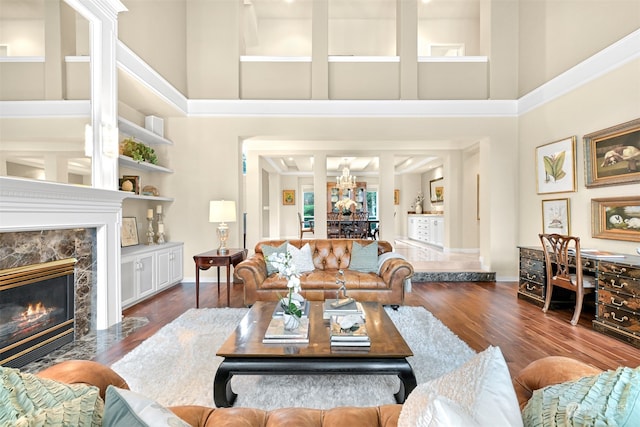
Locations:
column 345, row 181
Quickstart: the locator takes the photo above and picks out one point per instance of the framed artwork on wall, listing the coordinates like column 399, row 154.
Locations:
column 288, row 197
column 436, row 189
column 616, row 218
column 556, row 216
column 396, row 197
column 128, row 232
column 556, row 166
column 612, row 155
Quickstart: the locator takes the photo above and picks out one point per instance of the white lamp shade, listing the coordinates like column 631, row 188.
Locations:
column 222, row 211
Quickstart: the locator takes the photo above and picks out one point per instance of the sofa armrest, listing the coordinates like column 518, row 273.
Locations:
column 549, row 371
column 84, row 372
column 252, row 272
column 394, row 271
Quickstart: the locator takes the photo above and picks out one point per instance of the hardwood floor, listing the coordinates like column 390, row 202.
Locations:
column 481, row 314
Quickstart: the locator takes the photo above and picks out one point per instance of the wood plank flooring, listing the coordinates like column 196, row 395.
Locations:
column 481, row 314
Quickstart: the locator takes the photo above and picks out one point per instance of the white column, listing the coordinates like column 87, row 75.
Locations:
column 320, row 194
column 56, row 168
column 385, row 197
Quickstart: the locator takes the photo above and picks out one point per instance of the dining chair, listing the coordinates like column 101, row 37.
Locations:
column 564, row 269
column 333, row 225
column 360, row 225
column 305, row 226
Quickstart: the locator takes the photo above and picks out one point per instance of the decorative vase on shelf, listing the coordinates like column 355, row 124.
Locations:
column 291, row 322
column 418, row 209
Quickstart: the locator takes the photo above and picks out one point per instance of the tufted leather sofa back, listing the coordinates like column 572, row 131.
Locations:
column 329, row 253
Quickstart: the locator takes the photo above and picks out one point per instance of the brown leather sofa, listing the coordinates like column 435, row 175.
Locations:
column 329, row 255
column 539, row 374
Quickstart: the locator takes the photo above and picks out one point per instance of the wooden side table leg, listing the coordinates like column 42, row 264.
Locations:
column 218, row 282
column 197, row 286
column 228, row 283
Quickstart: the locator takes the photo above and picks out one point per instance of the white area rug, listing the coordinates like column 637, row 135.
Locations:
column 176, row 366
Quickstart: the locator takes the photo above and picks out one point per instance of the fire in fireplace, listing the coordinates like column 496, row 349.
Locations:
column 36, row 310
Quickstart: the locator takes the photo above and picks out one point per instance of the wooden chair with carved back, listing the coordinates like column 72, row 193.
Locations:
column 564, row 270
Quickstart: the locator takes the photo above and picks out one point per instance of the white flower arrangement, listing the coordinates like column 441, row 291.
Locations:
column 419, row 198
column 282, row 262
column 345, row 204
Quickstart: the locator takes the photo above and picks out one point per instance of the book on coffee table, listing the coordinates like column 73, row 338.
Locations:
column 355, row 336
column 277, row 334
column 353, row 307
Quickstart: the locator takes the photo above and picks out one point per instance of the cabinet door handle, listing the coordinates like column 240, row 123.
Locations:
column 618, row 304
column 531, row 277
column 624, row 318
column 530, row 288
column 616, row 285
column 618, row 271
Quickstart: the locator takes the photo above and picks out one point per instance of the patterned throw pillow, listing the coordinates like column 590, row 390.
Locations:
column 267, row 250
column 611, row 398
column 28, row 400
column 301, row 258
column 364, row 258
column 127, row 408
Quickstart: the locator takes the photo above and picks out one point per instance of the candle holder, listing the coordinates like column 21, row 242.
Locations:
column 150, row 232
column 160, row 239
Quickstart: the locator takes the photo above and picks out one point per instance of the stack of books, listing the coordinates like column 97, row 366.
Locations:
column 277, row 334
column 329, row 309
column 355, row 336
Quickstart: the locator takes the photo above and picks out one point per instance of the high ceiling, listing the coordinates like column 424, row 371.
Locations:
column 358, row 165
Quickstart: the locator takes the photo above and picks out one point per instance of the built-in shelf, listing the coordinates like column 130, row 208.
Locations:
column 130, row 163
column 140, row 133
column 142, row 197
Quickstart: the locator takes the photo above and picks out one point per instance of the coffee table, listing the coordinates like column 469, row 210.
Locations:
column 245, row 354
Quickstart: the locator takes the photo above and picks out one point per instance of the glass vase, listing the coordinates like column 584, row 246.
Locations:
column 291, row 322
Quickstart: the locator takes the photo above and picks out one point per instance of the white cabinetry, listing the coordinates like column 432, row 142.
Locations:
column 149, row 269
column 427, row 229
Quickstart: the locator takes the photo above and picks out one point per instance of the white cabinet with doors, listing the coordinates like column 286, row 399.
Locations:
column 427, row 229
column 146, row 270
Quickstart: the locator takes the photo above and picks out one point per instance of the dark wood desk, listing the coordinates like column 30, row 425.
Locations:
column 209, row 259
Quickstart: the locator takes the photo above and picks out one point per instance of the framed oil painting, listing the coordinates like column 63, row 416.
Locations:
column 436, row 188
column 556, row 166
column 288, row 197
column 556, row 216
column 128, row 232
column 616, row 218
column 396, row 197
column 612, row 155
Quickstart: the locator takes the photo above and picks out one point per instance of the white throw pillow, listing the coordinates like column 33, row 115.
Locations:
column 301, row 258
column 480, row 390
column 125, row 408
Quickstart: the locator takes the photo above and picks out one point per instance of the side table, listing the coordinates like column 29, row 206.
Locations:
column 209, row 259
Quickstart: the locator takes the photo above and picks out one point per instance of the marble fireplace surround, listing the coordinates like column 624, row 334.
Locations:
column 28, row 205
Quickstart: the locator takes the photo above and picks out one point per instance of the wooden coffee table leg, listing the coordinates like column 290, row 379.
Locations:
column 223, row 396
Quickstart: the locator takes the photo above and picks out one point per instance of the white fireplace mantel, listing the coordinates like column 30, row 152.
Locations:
column 28, row 205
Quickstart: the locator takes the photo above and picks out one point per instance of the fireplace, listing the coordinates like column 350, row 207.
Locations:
column 36, row 310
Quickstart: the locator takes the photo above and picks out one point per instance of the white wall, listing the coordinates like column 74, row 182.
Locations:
column 606, row 101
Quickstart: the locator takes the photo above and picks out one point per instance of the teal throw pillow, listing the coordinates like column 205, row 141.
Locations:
column 611, row 398
column 127, row 408
column 364, row 258
column 268, row 250
column 28, row 400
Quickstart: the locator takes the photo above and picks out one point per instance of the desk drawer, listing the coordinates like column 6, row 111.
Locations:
column 616, row 282
column 531, row 288
column 532, row 253
column 619, row 270
column 618, row 299
column 626, row 320
column 532, row 270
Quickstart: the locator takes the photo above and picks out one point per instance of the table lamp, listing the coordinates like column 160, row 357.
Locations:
column 222, row 211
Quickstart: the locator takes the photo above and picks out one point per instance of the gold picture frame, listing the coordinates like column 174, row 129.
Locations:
column 396, row 197
column 616, row 218
column 612, row 155
column 288, row 197
column 556, row 166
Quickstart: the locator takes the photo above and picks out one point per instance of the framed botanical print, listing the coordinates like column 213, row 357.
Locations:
column 555, row 216
column 612, row 155
column 288, row 197
column 616, row 218
column 556, row 166
column 436, row 190
column 129, row 232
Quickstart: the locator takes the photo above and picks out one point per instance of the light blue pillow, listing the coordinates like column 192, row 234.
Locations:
column 611, row 398
column 127, row 408
column 267, row 250
column 364, row 258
